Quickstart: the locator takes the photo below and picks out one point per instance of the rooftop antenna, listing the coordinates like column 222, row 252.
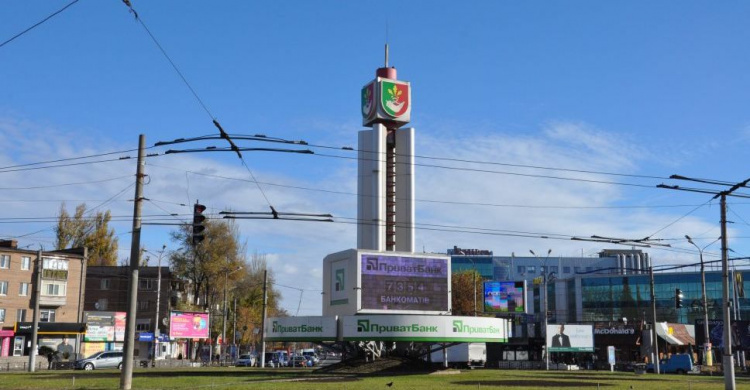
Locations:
column 386, row 55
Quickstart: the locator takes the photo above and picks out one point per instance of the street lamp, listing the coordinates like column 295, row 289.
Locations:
column 224, row 317
column 706, row 350
column 544, row 295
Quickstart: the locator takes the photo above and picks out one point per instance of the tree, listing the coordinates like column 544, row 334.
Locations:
column 205, row 265
column 462, row 292
column 250, row 299
column 93, row 233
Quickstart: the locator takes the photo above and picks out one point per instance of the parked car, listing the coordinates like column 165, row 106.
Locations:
column 311, row 362
column 272, row 360
column 298, row 361
column 247, row 360
column 104, row 359
column 680, row 363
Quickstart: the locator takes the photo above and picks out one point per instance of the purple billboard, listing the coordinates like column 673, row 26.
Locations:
column 408, row 284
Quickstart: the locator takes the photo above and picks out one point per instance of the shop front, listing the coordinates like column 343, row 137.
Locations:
column 62, row 337
column 6, row 340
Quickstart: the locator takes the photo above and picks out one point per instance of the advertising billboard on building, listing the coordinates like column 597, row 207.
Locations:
column 740, row 334
column 504, row 297
column 424, row 328
column 188, row 325
column 301, row 328
column 570, row 338
column 105, row 326
column 405, row 284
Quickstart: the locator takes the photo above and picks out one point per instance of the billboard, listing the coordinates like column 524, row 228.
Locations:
column 504, row 297
column 301, row 328
column 406, row 284
column 570, row 338
column 104, row 326
column 740, row 334
column 424, row 328
column 188, row 325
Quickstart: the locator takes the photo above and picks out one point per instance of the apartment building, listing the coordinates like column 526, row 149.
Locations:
column 60, row 300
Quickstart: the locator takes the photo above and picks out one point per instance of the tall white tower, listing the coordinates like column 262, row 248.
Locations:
column 385, row 204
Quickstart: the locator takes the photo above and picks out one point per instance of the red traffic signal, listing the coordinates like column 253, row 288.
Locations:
column 198, row 219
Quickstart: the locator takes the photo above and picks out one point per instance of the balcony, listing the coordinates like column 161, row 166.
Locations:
column 52, row 300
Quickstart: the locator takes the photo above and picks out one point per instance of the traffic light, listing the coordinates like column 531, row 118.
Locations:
column 678, row 298
column 198, row 219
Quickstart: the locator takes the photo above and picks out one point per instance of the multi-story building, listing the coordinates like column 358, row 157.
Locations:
column 107, row 292
column 61, row 299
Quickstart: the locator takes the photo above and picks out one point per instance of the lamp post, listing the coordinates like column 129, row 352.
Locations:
column 224, row 317
column 706, row 349
column 544, row 297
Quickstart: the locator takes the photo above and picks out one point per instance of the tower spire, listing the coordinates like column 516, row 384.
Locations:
column 386, row 54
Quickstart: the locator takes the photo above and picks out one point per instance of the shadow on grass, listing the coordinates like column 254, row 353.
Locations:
column 531, row 383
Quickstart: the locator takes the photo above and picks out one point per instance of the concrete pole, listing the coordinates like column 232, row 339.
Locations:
column 35, row 321
column 728, row 359
column 654, row 335
column 126, row 376
column 263, row 321
column 156, row 318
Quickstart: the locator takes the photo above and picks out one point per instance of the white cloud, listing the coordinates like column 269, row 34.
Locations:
column 295, row 249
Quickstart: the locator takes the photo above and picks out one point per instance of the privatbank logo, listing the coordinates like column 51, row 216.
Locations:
column 368, row 100
column 460, row 327
column 393, row 266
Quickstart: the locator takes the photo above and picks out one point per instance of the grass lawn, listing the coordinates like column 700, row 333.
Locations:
column 251, row 378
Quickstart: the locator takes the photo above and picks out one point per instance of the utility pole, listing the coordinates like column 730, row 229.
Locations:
column 654, row 335
column 156, row 319
column 263, row 320
column 707, row 360
column 234, row 330
column 126, row 376
column 728, row 360
column 35, row 321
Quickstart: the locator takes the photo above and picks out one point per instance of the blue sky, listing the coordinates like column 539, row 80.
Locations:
column 634, row 88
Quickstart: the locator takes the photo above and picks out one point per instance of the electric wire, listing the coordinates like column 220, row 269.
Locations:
column 38, row 23
column 63, row 184
column 419, row 199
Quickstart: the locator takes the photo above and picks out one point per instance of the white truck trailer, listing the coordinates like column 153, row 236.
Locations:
column 465, row 354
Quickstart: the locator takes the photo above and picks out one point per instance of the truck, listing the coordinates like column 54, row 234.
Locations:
column 679, row 363
column 464, row 354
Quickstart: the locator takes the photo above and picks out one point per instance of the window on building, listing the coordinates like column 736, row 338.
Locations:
column 531, row 269
column 554, row 269
column 144, row 305
column 105, row 284
column 5, row 261
column 47, row 315
column 55, row 269
column 143, row 326
column 566, row 270
column 56, row 289
column 3, row 288
column 579, row 269
column 146, row 284
column 21, row 315
column 2, row 315
column 543, row 269
column 521, row 269
column 589, row 269
column 23, row 289
column 102, row 304
column 25, row 263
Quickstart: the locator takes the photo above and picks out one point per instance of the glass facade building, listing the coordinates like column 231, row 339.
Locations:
column 612, row 298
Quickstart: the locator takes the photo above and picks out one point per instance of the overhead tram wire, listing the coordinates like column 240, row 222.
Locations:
column 63, row 184
column 11, row 39
column 222, row 133
column 420, row 200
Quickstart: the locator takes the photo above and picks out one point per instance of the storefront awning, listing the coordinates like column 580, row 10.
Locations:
column 676, row 334
column 51, row 327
